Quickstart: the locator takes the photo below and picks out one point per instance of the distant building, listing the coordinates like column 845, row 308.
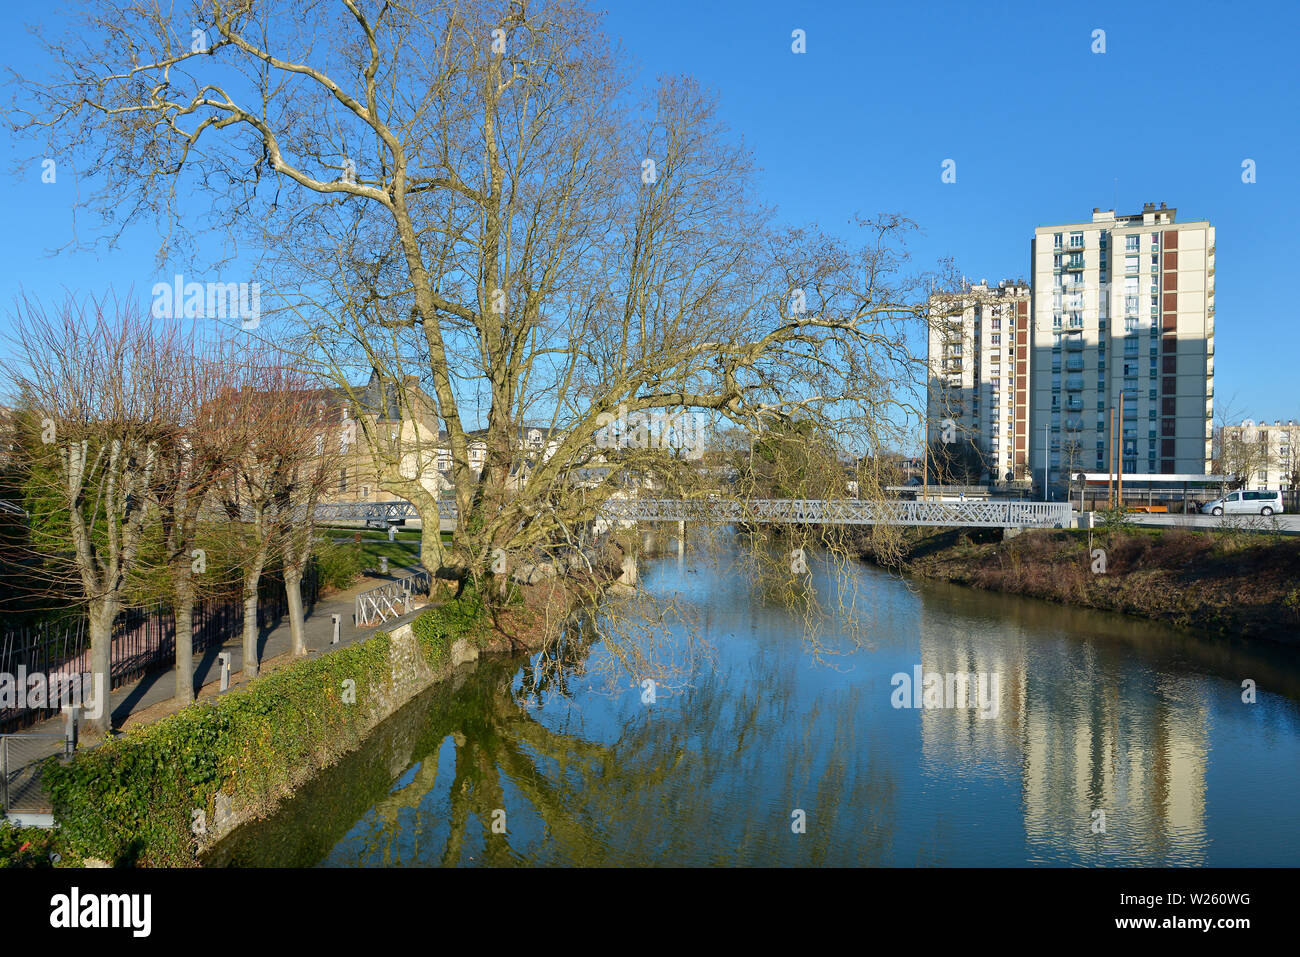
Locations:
column 1261, row 455
column 979, row 374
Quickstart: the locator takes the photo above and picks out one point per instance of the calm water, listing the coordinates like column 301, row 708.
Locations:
column 1095, row 712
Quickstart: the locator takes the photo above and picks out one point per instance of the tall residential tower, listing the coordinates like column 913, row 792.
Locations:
column 1122, row 304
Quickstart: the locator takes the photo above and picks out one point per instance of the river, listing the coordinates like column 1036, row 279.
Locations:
column 1109, row 741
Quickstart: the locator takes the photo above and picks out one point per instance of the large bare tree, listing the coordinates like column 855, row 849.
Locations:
column 477, row 195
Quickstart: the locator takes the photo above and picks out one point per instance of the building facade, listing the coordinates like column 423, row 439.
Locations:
column 1122, row 305
column 1260, row 455
column 979, row 375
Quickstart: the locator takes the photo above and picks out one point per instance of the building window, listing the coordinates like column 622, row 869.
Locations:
column 343, row 480
column 1056, row 241
column 1131, row 242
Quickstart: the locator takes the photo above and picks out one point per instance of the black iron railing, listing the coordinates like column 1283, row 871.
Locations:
column 144, row 640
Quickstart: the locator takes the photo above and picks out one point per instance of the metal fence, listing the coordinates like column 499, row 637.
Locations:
column 391, row 599
column 21, row 756
column 144, row 639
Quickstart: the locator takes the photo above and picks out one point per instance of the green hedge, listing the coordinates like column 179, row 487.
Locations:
column 133, row 799
column 339, row 563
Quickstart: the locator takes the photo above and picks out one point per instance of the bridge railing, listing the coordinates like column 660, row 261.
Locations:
column 843, row 512
column 852, row 511
column 391, row 599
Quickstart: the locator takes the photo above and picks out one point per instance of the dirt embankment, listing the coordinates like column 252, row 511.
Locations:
column 1243, row 584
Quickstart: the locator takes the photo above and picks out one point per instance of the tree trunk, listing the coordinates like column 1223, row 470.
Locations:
column 293, row 592
column 432, row 552
column 102, row 614
column 250, row 669
column 184, row 641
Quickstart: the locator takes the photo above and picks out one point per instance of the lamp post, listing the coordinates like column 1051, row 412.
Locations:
column 1046, row 449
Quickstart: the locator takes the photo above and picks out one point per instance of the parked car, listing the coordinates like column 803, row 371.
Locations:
column 1263, row 502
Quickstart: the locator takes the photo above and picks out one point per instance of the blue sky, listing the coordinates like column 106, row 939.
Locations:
column 1041, row 128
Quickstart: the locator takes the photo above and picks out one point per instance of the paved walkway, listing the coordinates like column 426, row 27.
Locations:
column 152, row 697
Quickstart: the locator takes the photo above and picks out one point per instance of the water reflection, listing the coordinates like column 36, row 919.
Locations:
column 530, row 762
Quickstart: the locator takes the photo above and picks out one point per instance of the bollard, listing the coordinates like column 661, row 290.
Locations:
column 392, row 533
column 383, row 564
column 336, row 619
column 71, row 720
column 224, row 658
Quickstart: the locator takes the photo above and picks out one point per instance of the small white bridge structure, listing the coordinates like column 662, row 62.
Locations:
column 780, row 511
column 785, row 511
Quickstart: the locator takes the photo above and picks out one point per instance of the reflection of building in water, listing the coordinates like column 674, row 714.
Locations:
column 1085, row 737
column 1136, row 753
column 959, row 737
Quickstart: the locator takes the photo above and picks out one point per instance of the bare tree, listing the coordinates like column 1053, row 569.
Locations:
column 472, row 194
column 311, row 453
column 267, row 420
column 190, row 462
column 101, row 374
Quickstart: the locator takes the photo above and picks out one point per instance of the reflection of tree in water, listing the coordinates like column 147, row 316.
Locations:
column 697, row 781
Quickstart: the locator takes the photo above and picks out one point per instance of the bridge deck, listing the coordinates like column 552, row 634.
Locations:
column 981, row 514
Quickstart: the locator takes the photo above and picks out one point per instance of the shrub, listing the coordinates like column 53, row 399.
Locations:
column 1115, row 519
column 339, row 564
column 30, row 847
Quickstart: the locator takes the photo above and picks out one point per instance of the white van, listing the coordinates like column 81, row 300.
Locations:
column 1264, row 502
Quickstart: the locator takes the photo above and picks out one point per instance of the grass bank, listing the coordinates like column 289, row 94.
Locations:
column 1231, row 583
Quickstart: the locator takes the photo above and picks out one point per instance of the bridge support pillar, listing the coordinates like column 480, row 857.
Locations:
column 681, row 539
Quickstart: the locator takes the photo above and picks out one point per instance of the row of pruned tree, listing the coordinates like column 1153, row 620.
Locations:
column 152, row 457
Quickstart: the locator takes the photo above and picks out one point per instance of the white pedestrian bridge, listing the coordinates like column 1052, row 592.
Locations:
column 782, row 511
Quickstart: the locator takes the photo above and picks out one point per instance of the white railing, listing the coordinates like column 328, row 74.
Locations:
column 366, row 511
column 843, row 512
column 391, row 599
column 981, row 514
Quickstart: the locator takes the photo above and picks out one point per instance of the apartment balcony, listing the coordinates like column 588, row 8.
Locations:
column 1073, row 267
column 1074, row 425
column 1074, row 405
column 1074, row 364
column 1074, row 383
column 1073, row 343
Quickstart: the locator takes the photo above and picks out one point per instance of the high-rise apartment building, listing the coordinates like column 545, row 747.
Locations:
column 979, row 375
column 1122, row 304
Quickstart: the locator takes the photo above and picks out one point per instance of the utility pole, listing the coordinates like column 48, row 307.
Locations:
column 1110, row 465
column 1119, row 470
column 925, row 464
column 1046, row 444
